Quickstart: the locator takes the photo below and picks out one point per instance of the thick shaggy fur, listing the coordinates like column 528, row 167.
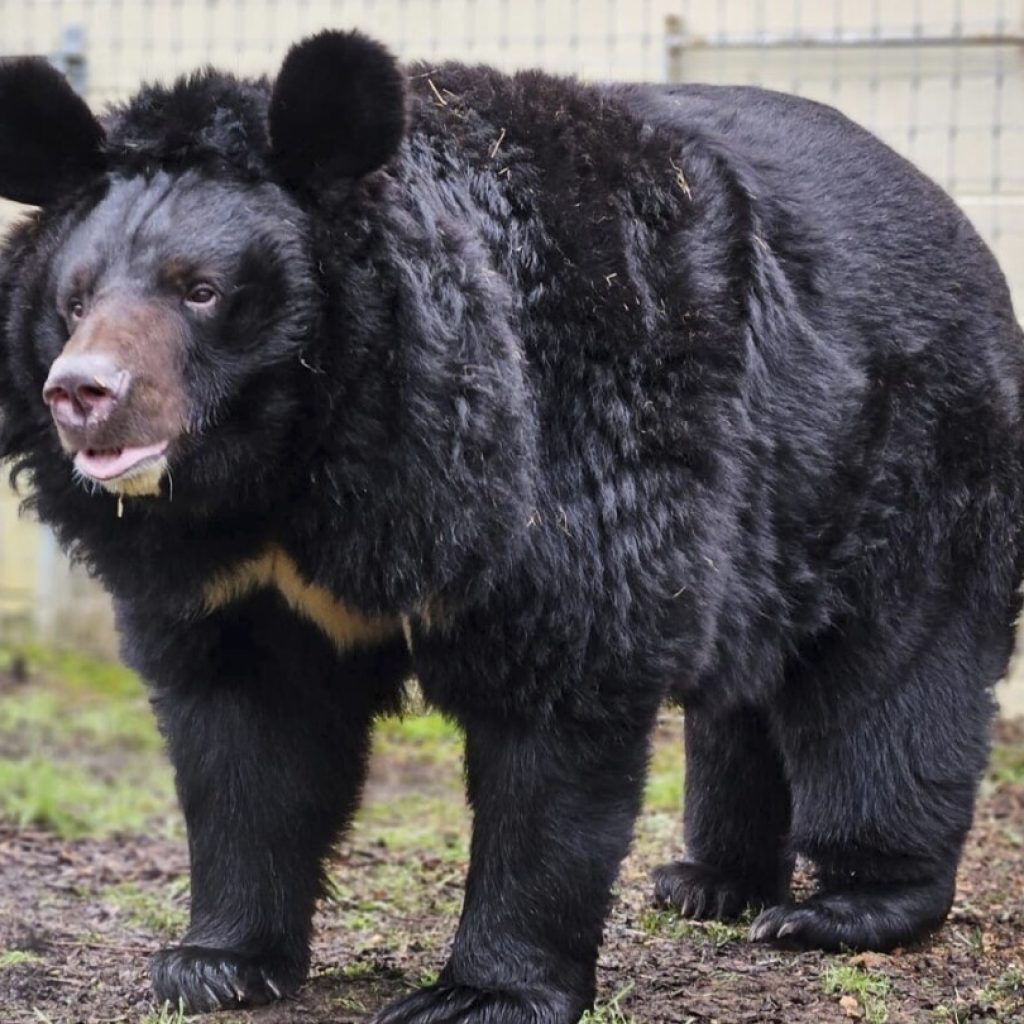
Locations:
column 614, row 394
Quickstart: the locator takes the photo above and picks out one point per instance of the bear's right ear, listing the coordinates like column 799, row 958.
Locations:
column 337, row 109
column 49, row 140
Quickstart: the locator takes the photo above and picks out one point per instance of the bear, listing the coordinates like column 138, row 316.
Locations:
column 568, row 399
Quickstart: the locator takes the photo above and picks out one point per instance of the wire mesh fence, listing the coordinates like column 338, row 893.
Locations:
column 941, row 80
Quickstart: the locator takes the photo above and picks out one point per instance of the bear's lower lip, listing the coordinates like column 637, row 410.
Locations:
column 110, row 463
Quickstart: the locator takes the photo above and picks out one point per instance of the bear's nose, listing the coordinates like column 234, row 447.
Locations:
column 84, row 388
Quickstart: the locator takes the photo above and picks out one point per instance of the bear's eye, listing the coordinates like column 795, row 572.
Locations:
column 76, row 309
column 201, row 294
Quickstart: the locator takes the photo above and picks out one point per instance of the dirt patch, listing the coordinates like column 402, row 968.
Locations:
column 78, row 918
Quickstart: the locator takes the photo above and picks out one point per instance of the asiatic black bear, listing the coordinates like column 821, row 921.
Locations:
column 568, row 399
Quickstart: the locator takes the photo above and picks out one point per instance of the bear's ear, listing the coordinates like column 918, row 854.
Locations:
column 337, row 109
column 49, row 140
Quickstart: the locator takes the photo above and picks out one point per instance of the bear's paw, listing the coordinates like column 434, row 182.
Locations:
column 464, row 1004
column 705, row 893
column 201, row 979
column 876, row 919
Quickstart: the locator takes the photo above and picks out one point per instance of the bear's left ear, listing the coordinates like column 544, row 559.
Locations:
column 49, row 140
column 337, row 109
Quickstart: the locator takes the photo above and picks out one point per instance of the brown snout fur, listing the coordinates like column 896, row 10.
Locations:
column 145, row 339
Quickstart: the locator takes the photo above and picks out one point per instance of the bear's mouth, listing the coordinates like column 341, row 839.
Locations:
column 112, row 465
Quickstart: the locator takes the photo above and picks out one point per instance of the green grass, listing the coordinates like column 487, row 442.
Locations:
column 357, row 970
column 366, row 979
column 68, row 799
column 17, row 958
column 167, row 1015
column 868, row 989
column 418, row 733
column 1008, row 987
column 430, row 819
column 163, row 912
column 610, row 1012
column 74, row 699
column 400, row 887
column 669, row 925
column 664, row 791
column 83, row 755
column 60, row 715
column 417, row 822
column 1007, row 764
column 721, row 933
column 418, row 727
column 79, row 671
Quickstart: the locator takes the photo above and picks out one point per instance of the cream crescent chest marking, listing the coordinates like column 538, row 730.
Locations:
column 345, row 627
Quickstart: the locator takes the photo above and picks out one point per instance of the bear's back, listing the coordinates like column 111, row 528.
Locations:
column 895, row 260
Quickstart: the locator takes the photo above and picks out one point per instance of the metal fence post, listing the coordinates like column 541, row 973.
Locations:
column 71, row 58
column 674, row 47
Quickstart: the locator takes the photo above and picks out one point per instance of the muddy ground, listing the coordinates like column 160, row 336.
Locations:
column 93, row 878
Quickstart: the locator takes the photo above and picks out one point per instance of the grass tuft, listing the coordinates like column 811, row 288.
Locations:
column 868, row 989
column 419, row 733
column 80, row 754
column 664, row 790
column 17, row 958
column 169, row 1015
column 78, row 671
column 1008, row 987
column 670, row 925
column 163, row 913
column 1007, row 764
column 67, row 799
column 610, row 1012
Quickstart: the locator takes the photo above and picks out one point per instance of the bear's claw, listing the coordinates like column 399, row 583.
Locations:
column 704, row 893
column 463, row 1004
column 872, row 920
column 201, row 979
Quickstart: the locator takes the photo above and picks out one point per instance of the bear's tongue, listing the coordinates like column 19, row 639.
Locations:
column 108, row 463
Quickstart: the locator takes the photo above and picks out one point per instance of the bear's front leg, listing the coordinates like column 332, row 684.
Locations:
column 554, row 808
column 267, row 726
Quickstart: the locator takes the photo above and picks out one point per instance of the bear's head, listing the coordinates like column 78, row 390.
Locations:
column 155, row 310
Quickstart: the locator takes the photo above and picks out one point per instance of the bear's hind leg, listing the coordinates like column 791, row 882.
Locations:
column 884, row 744
column 735, row 818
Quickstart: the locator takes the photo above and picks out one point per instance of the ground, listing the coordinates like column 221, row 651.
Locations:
column 93, row 878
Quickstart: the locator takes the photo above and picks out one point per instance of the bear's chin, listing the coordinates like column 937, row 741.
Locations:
column 143, row 482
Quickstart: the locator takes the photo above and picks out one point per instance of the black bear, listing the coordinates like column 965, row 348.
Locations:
column 568, row 399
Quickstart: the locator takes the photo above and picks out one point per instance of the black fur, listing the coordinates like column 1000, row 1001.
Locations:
column 617, row 394
column 338, row 109
column 49, row 140
column 204, row 121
